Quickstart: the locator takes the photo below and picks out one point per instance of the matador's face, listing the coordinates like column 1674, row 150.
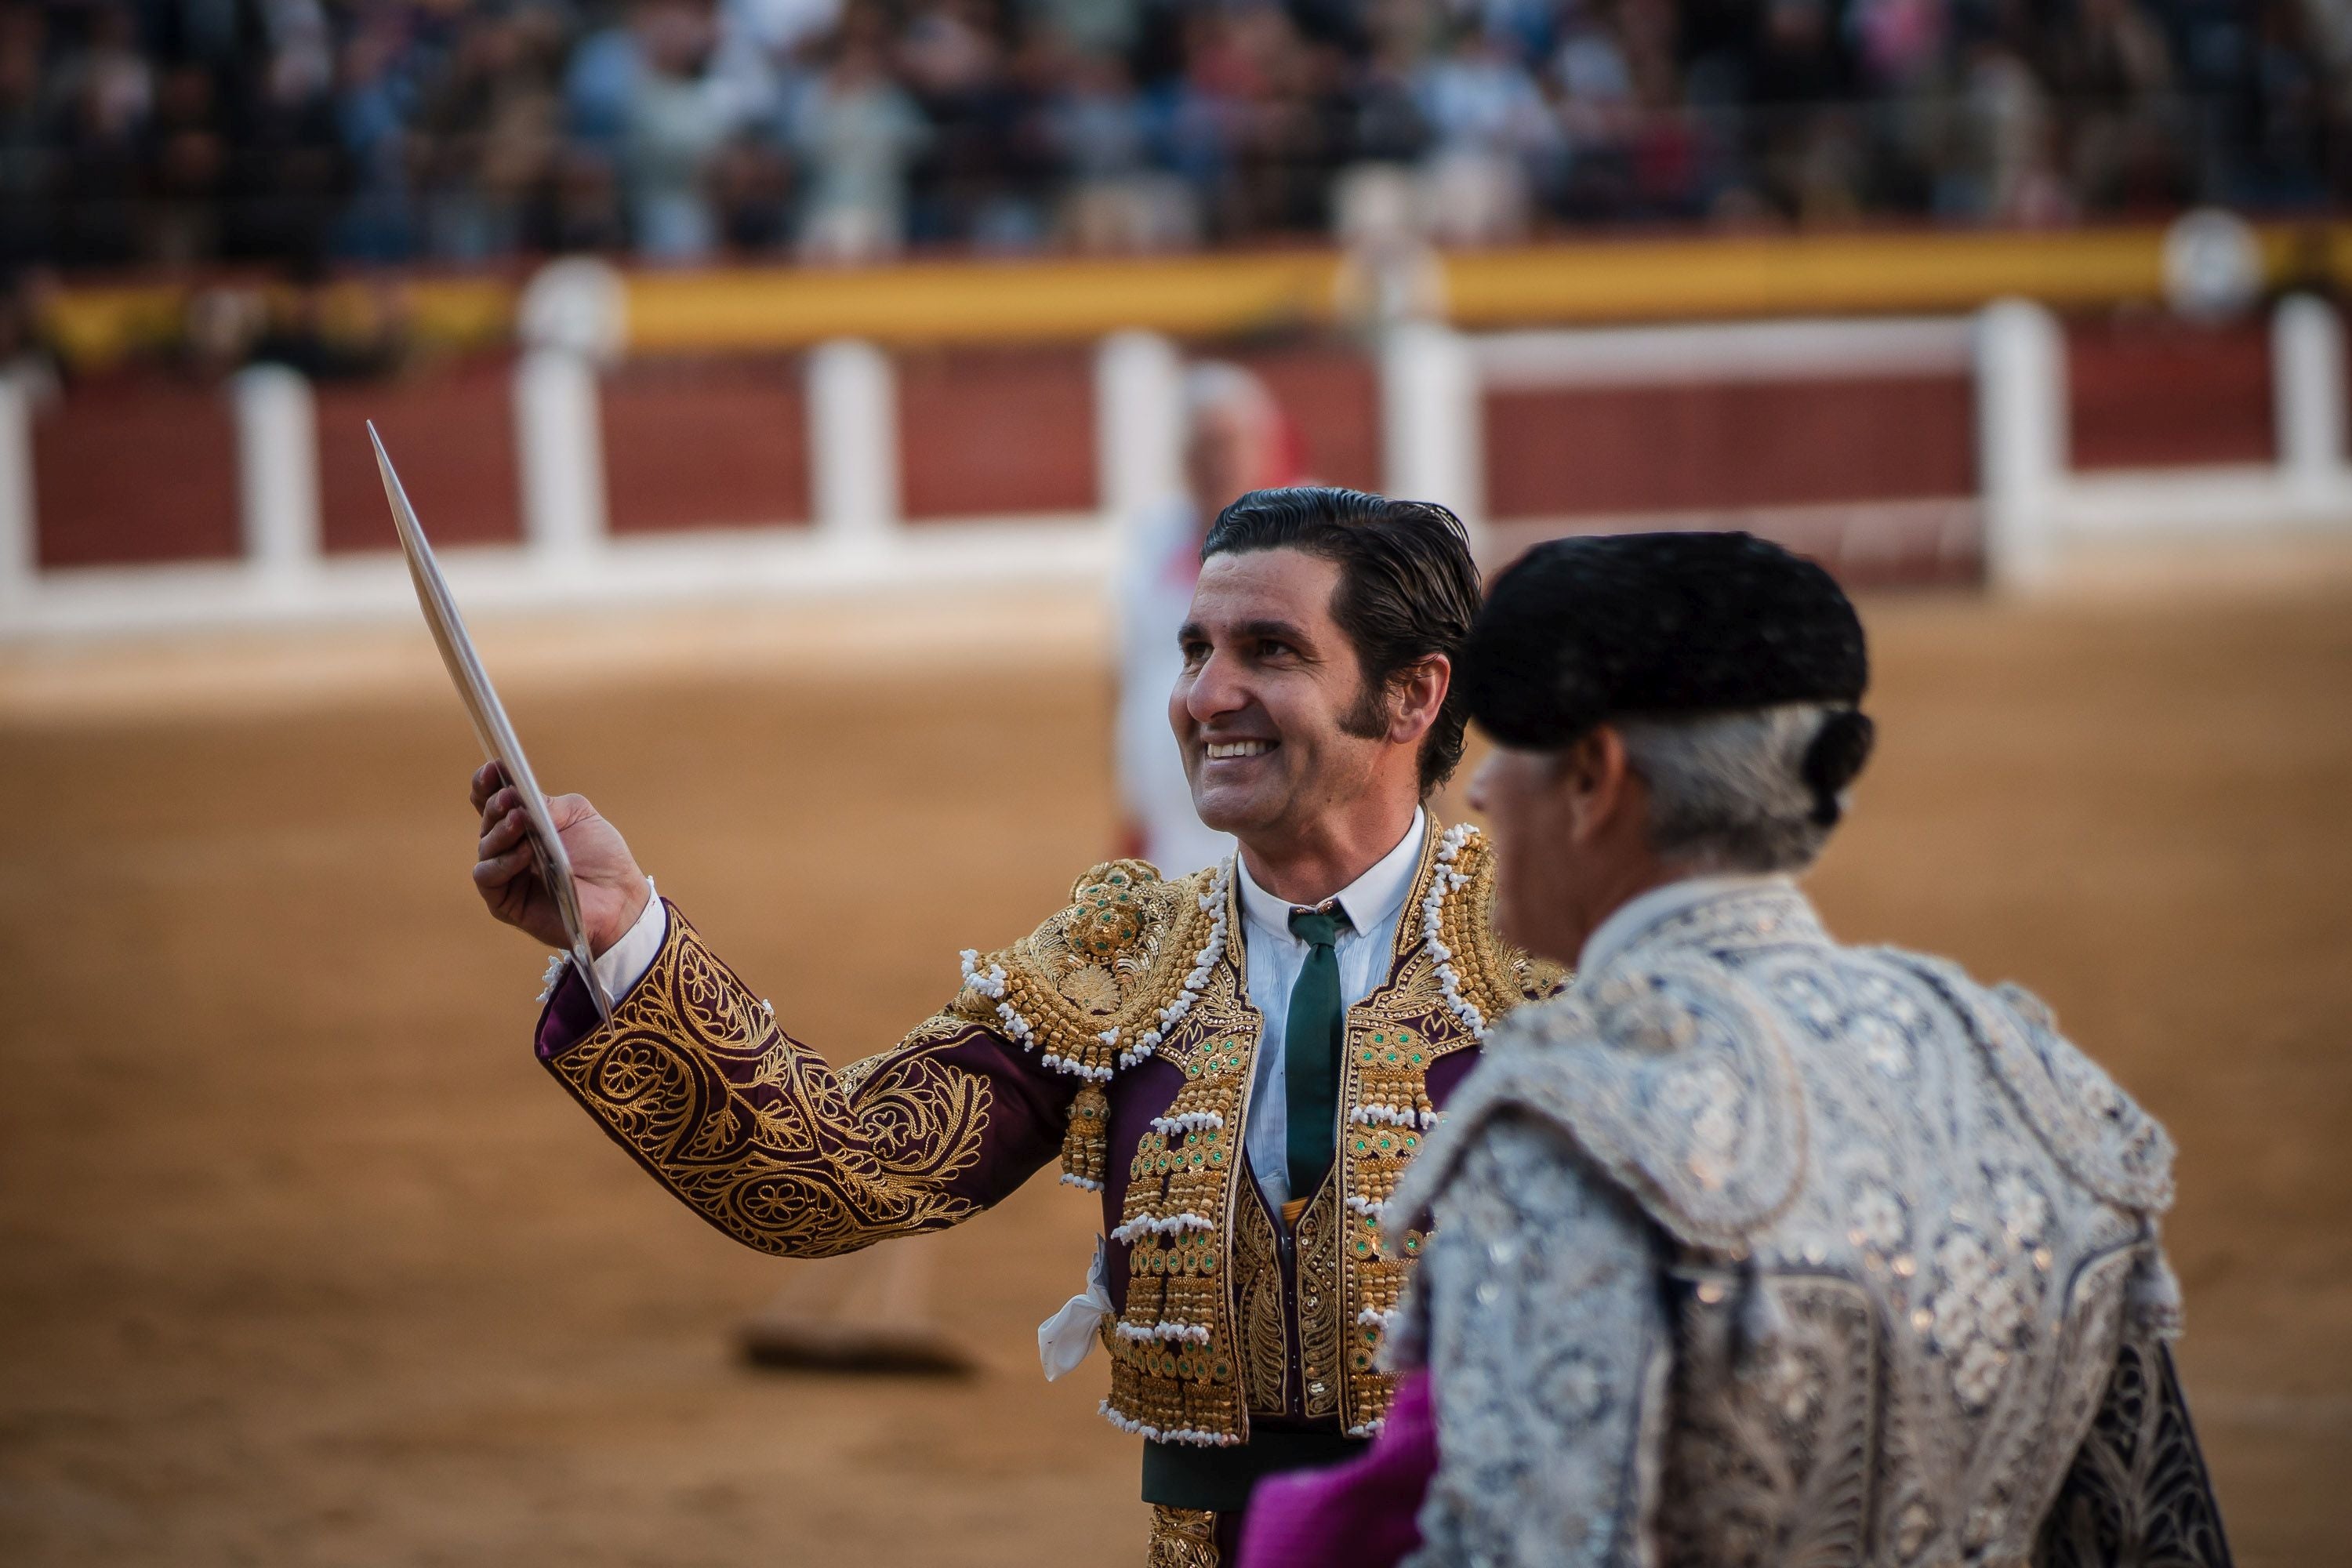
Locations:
column 1269, row 709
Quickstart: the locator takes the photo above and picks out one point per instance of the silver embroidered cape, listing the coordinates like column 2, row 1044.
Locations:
column 1752, row 1248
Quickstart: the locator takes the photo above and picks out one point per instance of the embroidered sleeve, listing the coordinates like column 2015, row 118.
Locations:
column 1548, row 1350
column 755, row 1132
column 2137, row 1494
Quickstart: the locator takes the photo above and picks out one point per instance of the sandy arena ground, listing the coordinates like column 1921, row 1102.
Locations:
column 307, row 1262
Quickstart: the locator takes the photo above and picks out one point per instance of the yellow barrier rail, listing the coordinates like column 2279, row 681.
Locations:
column 981, row 301
column 784, row 307
column 1832, row 274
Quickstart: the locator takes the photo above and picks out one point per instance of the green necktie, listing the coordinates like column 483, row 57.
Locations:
column 1310, row 1051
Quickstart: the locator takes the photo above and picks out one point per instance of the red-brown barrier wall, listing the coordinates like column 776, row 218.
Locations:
column 705, row 441
column 138, row 470
column 2148, row 392
column 135, row 470
column 450, row 432
column 1332, row 394
column 997, row 431
column 1595, row 451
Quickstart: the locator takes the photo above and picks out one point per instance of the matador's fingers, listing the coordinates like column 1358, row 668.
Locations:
column 498, row 805
column 508, row 831
column 485, row 784
column 497, row 870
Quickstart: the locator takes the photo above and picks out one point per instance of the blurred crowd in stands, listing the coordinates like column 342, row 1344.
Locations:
column 146, row 132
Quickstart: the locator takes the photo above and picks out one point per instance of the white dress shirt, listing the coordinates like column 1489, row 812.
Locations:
column 1273, row 958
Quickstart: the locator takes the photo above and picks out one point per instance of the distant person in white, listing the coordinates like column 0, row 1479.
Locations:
column 1235, row 440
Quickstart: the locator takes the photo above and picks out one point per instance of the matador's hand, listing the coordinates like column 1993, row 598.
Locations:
column 613, row 892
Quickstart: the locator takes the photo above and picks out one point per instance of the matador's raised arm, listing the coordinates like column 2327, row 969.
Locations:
column 755, row 1132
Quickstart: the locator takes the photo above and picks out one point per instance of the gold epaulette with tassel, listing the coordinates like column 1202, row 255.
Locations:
column 1097, row 987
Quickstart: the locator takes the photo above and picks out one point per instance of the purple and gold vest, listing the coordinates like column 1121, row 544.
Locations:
column 1223, row 1313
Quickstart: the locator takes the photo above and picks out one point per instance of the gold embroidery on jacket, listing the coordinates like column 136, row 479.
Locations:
column 1321, row 1270
column 1261, row 1322
column 1389, row 1115
column 1089, row 984
column 1259, row 1311
column 1181, row 1538
column 790, row 1159
column 1173, row 1373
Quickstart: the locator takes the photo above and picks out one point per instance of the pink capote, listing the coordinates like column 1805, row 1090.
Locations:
column 1356, row 1515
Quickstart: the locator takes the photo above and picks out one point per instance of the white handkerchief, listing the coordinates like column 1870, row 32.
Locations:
column 1064, row 1338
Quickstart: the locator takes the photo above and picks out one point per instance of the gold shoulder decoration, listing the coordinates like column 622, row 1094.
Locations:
column 1482, row 976
column 1098, row 985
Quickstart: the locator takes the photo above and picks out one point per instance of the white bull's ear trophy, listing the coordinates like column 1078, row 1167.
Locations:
column 489, row 718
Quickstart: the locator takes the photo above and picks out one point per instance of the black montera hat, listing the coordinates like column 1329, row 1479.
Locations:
column 1580, row 629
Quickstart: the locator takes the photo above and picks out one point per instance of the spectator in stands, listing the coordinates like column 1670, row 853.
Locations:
column 25, row 149
column 957, row 57
column 492, row 127
column 1117, row 201
column 1900, row 44
column 107, row 90
column 1386, row 125
column 187, row 165
column 857, row 132
column 1101, row 28
column 1494, row 135
column 289, row 176
column 681, row 115
column 600, row 81
column 197, row 131
column 780, row 32
column 1599, row 116
column 2004, row 167
column 1270, row 94
column 373, row 104
column 1193, row 104
column 1679, row 160
column 2281, row 110
column 751, row 186
column 2113, row 63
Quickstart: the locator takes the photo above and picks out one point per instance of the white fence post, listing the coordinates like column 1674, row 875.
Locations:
column 20, row 556
column 276, row 470
column 1139, row 423
column 1431, row 427
column 2308, row 395
column 560, row 447
column 852, row 413
column 2021, row 439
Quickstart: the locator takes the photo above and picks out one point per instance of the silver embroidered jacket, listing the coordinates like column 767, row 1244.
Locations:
column 1752, row 1248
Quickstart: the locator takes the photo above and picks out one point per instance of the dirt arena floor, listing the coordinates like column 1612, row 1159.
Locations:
column 306, row 1261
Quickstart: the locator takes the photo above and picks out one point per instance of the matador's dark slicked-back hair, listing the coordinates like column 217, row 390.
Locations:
column 1408, row 586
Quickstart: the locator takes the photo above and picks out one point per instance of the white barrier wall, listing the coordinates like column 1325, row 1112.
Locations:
column 2031, row 505
column 19, row 546
column 559, row 448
